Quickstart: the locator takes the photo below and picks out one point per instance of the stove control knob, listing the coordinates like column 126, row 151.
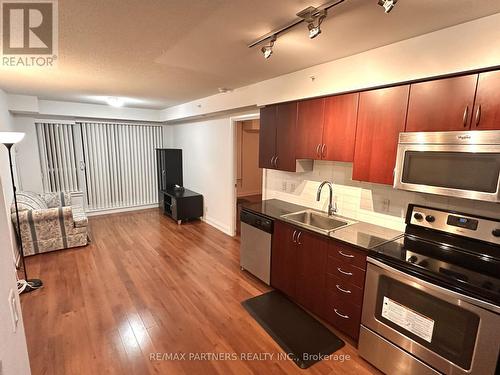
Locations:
column 496, row 232
column 430, row 219
column 418, row 216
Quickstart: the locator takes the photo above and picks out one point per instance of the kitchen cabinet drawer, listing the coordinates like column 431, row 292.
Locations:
column 348, row 255
column 344, row 316
column 346, row 272
column 343, row 290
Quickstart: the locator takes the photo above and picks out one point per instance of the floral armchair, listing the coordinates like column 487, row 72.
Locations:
column 49, row 222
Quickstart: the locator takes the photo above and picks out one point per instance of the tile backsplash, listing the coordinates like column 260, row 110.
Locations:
column 372, row 203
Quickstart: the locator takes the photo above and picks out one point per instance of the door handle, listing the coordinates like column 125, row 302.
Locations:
column 298, row 238
column 323, row 149
column 341, row 315
column 317, row 149
column 466, row 115
column 478, row 115
column 293, row 236
column 344, row 272
column 345, row 255
column 343, row 290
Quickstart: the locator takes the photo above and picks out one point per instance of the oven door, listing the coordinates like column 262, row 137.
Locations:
column 461, row 170
column 439, row 327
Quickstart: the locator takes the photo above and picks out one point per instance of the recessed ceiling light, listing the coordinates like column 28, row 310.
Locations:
column 387, row 4
column 115, row 101
column 224, row 90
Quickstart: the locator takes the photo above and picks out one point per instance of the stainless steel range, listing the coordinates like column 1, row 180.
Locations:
column 432, row 297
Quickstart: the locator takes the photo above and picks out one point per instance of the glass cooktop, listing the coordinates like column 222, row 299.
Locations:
column 467, row 267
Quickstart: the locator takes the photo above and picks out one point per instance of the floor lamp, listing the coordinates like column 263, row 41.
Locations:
column 9, row 139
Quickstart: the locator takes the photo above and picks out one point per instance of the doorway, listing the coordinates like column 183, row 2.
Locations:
column 248, row 175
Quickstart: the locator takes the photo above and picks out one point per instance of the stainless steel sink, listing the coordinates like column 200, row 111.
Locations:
column 318, row 221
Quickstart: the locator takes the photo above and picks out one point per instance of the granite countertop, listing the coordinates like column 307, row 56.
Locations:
column 362, row 235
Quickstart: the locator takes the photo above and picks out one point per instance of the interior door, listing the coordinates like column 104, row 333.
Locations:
column 486, row 114
column 286, row 121
column 309, row 129
column 441, row 105
column 339, row 127
column 267, row 137
column 381, row 117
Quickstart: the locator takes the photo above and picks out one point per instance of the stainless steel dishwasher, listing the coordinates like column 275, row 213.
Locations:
column 255, row 248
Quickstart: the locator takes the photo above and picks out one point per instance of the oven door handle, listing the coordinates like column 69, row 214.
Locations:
column 433, row 287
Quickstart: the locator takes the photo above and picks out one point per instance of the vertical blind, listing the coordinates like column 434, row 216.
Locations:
column 57, row 156
column 120, row 164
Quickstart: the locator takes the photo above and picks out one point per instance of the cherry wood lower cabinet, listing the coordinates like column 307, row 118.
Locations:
column 381, row 117
column 324, row 276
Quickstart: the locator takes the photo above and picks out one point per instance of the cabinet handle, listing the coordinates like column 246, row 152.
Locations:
column 298, row 238
column 276, row 162
column 344, row 272
column 317, row 149
column 272, row 159
column 323, row 149
column 293, row 236
column 346, row 255
column 341, row 315
column 466, row 114
column 343, row 290
column 478, row 115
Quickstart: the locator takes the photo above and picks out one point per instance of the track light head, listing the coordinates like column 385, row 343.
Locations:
column 314, row 18
column 267, row 51
column 388, row 5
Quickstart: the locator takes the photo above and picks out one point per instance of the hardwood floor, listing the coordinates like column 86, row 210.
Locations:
column 146, row 285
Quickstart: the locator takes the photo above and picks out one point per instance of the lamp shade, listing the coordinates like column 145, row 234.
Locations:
column 9, row 138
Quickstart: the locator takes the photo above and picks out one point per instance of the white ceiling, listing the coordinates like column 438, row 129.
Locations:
column 160, row 53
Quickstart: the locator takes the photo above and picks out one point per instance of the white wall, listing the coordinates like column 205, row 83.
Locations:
column 27, row 156
column 467, row 46
column 13, row 350
column 372, row 203
column 207, row 156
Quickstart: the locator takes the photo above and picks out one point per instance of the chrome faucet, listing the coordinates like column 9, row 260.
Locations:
column 332, row 206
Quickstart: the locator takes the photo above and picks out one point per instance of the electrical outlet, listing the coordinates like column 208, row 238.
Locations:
column 283, row 186
column 293, row 186
column 14, row 311
column 386, row 204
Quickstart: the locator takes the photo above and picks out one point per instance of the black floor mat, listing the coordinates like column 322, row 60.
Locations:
column 298, row 333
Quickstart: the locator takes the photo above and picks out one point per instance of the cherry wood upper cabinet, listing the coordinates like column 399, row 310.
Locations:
column 286, row 121
column 339, row 127
column 381, row 117
column 284, row 259
column 441, row 105
column 309, row 134
column 486, row 115
column 267, row 136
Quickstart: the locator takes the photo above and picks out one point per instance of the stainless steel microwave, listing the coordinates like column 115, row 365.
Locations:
column 457, row 164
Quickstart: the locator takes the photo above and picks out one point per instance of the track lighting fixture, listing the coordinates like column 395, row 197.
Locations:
column 387, row 4
column 314, row 17
column 268, row 50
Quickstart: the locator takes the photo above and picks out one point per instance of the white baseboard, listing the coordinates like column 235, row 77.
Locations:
column 218, row 225
column 118, row 210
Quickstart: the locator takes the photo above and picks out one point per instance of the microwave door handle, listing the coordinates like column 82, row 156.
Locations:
column 466, row 115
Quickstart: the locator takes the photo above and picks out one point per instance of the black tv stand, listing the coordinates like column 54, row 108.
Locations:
column 181, row 204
